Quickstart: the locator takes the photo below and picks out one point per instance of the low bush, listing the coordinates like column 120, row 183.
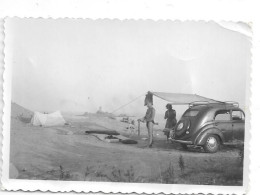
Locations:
column 24, row 119
column 181, row 164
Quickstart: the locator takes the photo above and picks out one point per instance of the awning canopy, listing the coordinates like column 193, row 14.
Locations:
column 181, row 98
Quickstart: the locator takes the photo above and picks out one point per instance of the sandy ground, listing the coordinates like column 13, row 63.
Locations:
column 67, row 153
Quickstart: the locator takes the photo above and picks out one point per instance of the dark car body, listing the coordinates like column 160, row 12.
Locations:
column 225, row 122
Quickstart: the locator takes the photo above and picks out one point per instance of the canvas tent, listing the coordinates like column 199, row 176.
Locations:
column 47, row 120
column 180, row 98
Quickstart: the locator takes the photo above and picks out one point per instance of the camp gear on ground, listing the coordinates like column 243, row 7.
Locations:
column 47, row 120
column 107, row 132
column 114, row 139
column 111, row 139
column 128, row 141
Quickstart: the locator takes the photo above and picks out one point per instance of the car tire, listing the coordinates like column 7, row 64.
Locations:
column 212, row 144
column 184, row 146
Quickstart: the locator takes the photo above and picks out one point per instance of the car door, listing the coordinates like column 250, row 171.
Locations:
column 238, row 120
column 223, row 122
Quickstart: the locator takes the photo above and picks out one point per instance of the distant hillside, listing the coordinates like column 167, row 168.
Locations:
column 17, row 110
column 99, row 114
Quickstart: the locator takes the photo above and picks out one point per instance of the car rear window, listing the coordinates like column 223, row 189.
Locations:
column 191, row 113
column 222, row 115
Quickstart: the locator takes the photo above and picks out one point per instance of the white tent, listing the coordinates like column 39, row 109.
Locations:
column 53, row 119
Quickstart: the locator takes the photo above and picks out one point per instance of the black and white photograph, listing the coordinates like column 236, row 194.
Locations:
column 128, row 101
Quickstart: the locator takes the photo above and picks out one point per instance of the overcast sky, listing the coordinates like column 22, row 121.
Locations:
column 79, row 65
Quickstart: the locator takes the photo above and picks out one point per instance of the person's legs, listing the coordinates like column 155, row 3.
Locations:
column 150, row 130
column 167, row 136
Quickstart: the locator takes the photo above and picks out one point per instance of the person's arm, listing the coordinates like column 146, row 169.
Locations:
column 174, row 114
column 144, row 118
column 166, row 115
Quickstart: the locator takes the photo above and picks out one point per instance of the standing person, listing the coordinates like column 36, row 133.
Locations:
column 170, row 116
column 149, row 119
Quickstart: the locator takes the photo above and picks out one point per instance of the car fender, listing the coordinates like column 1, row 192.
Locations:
column 201, row 139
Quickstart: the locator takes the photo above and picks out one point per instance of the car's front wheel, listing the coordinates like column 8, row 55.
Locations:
column 212, row 144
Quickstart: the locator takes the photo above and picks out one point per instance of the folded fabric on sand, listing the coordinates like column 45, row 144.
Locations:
column 114, row 139
column 107, row 132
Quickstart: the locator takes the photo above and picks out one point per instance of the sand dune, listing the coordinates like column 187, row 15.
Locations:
column 17, row 110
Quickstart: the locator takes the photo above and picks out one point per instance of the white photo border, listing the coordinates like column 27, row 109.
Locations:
column 105, row 187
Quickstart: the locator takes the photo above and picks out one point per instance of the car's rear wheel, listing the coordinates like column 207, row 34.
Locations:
column 212, row 144
column 184, row 146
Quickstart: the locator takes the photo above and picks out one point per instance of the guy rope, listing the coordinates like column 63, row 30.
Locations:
column 128, row 103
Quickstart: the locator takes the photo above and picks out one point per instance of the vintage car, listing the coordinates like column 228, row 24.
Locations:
column 211, row 125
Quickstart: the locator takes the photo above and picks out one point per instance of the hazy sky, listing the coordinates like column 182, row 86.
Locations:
column 79, row 65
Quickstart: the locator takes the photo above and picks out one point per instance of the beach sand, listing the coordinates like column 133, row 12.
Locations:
column 67, row 153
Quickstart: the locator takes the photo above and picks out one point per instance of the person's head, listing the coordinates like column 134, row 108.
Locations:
column 169, row 106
